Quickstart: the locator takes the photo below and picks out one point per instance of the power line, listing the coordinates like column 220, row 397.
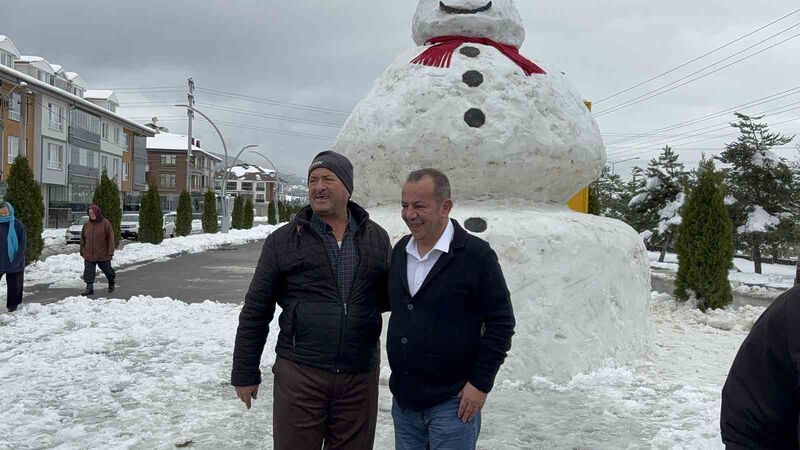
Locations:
column 757, row 102
column 253, row 128
column 647, row 96
column 724, row 125
column 267, row 101
column 698, row 58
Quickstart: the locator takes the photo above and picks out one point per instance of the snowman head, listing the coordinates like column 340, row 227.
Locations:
column 498, row 20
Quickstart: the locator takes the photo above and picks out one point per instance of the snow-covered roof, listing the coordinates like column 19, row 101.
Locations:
column 8, row 46
column 41, row 86
column 76, row 79
column 96, row 94
column 251, row 172
column 57, row 68
column 38, row 62
column 174, row 142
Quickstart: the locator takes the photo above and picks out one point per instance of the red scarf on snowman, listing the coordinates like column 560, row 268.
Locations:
column 442, row 48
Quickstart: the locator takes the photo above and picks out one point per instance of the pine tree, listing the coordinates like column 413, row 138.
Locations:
column 283, row 212
column 107, row 197
column 25, row 196
column 183, row 223
column 272, row 214
column 151, row 217
column 659, row 202
column 249, row 218
column 237, row 218
column 210, row 224
column 611, row 195
column 761, row 182
column 594, row 200
column 705, row 242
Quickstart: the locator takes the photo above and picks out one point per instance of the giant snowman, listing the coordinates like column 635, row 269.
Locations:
column 517, row 142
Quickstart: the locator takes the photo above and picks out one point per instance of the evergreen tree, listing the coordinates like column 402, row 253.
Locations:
column 183, row 223
column 210, row 224
column 151, row 217
column 594, row 200
column 249, row 218
column 705, row 242
column 659, row 202
column 107, row 197
column 611, row 195
column 761, row 182
column 237, row 218
column 25, row 196
column 272, row 214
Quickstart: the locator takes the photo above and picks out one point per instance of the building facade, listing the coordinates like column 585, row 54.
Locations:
column 252, row 182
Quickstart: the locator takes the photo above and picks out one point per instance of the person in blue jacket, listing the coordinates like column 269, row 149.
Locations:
column 13, row 243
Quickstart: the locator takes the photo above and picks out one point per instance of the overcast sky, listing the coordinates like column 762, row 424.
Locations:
column 327, row 53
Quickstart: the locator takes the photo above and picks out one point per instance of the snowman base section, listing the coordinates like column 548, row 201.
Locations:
column 580, row 285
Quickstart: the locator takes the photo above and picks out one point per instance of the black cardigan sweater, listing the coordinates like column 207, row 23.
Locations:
column 456, row 329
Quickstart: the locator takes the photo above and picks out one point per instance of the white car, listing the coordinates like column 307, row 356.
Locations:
column 129, row 227
column 73, row 235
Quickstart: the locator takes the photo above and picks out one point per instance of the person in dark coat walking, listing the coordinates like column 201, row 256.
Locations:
column 327, row 269
column 97, row 249
column 451, row 323
column 13, row 243
column 761, row 397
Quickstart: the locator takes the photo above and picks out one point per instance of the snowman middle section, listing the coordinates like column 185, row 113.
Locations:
column 495, row 131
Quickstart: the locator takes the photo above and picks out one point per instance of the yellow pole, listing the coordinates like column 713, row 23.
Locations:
column 580, row 202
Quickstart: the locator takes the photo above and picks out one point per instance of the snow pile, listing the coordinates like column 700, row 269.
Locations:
column 70, row 267
column 152, row 373
column 670, row 215
column 758, row 221
column 730, row 200
column 646, row 235
column 733, row 318
column 580, row 285
column 53, row 236
column 775, row 278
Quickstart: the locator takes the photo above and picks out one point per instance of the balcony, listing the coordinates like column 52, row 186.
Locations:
column 76, row 170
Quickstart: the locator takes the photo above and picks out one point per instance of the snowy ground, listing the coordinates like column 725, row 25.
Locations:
column 117, row 374
column 64, row 269
column 774, row 277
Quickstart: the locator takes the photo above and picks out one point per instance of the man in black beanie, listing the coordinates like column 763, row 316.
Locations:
column 328, row 271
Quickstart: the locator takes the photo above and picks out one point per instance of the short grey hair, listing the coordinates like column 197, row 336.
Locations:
column 441, row 184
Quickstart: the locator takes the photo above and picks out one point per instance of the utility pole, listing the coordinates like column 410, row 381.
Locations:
column 190, row 113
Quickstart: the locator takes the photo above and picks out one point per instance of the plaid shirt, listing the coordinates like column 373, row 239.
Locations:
column 344, row 260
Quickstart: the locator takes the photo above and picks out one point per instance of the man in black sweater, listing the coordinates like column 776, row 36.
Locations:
column 451, row 322
column 761, row 398
column 328, row 271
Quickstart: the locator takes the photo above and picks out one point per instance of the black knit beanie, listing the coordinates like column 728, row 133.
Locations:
column 336, row 163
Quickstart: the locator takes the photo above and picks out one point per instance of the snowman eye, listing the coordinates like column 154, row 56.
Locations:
column 455, row 10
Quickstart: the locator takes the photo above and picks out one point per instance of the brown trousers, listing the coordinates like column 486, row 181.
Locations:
column 313, row 407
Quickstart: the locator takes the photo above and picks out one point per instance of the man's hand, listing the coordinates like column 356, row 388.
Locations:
column 472, row 401
column 245, row 393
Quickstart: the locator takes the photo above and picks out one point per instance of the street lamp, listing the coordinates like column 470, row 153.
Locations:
column 225, row 216
column 614, row 163
column 277, row 174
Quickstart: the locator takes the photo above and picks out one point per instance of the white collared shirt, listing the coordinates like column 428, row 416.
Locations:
column 418, row 267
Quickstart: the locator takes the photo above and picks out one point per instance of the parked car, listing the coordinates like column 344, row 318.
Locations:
column 129, row 227
column 73, row 235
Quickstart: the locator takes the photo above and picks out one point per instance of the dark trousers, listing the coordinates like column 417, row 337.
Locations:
column 90, row 271
column 15, row 282
column 314, row 407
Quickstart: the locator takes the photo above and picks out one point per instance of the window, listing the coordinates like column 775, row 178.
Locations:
column 55, row 156
column 14, row 106
column 168, row 180
column 85, row 121
column 7, row 60
column 86, row 158
column 104, row 130
column 125, row 142
column 56, row 117
column 112, row 107
column 124, row 171
column 116, row 135
column 261, row 187
column 104, row 162
column 232, row 186
column 13, row 148
column 217, row 185
column 115, row 169
column 260, row 198
column 169, row 160
column 247, row 186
